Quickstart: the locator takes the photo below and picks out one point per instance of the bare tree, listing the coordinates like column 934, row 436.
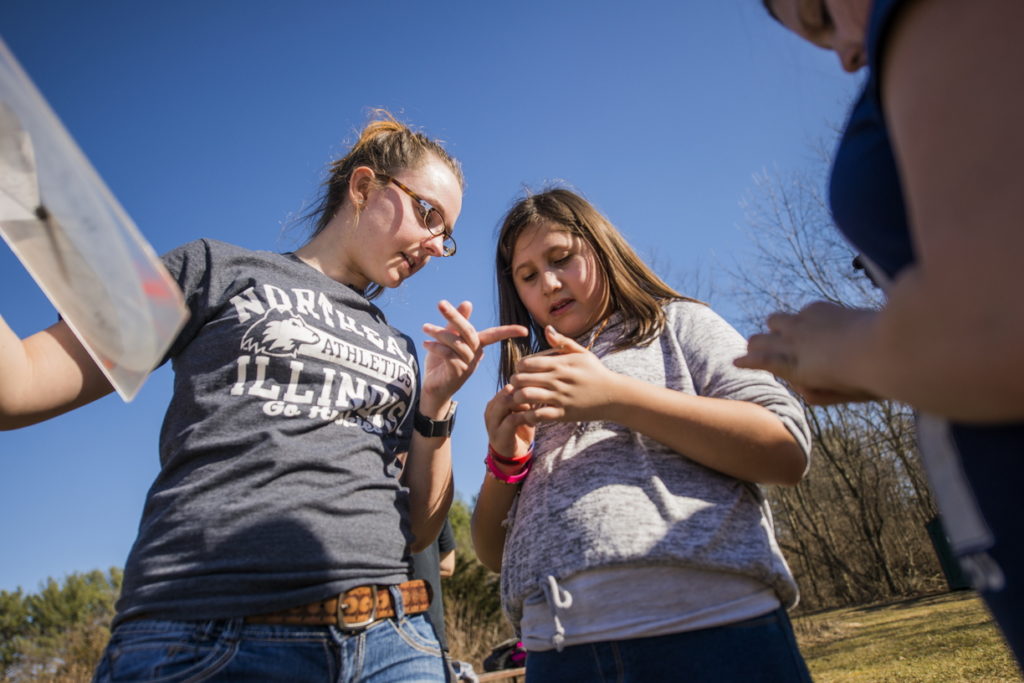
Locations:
column 854, row 530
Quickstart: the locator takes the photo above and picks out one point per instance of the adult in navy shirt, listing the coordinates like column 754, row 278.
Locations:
column 926, row 185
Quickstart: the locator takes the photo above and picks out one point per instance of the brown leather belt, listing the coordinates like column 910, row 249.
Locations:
column 355, row 609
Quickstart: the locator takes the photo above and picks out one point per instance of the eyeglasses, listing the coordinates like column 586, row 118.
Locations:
column 432, row 219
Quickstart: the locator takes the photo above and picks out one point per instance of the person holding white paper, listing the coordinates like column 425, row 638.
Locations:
column 305, row 452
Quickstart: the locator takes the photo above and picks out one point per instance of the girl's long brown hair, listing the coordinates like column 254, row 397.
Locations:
column 634, row 290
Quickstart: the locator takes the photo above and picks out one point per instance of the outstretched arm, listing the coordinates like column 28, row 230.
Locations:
column 45, row 375
column 738, row 438
column 454, row 353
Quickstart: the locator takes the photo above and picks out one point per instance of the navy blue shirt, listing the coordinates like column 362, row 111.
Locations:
column 867, row 202
column 865, row 191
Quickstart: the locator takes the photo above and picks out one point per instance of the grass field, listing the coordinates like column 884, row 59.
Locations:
column 947, row 637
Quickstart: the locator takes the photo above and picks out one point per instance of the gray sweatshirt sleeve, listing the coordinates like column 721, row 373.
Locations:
column 709, row 345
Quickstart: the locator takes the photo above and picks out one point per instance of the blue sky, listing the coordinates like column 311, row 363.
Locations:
column 216, row 119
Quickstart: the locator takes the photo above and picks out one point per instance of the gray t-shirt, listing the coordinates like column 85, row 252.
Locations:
column 600, row 495
column 279, row 483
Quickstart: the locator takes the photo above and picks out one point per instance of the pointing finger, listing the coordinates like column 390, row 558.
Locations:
column 458, row 320
column 501, row 333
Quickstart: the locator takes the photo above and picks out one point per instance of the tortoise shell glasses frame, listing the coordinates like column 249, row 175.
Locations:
column 431, row 216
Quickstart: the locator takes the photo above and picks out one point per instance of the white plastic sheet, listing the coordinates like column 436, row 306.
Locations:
column 78, row 243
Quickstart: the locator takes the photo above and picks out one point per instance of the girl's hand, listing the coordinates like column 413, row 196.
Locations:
column 455, row 352
column 565, row 384
column 507, row 428
column 797, row 348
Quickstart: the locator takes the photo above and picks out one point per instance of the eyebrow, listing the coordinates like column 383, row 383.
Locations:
column 416, row 194
column 440, row 208
column 515, row 269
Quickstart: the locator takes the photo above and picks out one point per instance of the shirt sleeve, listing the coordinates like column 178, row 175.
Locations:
column 191, row 266
column 446, row 540
column 710, row 345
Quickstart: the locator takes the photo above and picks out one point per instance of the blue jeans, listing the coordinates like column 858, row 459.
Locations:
column 762, row 649
column 400, row 649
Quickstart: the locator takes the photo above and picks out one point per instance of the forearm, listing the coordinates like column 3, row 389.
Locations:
column 492, row 506
column 14, row 372
column 737, row 438
column 945, row 347
column 44, row 375
column 428, row 474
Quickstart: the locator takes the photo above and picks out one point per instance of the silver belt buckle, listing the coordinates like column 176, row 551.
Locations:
column 344, row 626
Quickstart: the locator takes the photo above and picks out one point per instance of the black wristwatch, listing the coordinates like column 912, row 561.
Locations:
column 431, row 428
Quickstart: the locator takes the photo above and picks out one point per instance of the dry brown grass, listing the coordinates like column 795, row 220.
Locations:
column 471, row 638
column 941, row 638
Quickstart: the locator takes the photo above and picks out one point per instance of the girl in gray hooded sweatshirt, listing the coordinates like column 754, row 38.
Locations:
column 621, row 500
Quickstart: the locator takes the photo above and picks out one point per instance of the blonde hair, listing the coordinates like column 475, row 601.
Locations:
column 634, row 290
column 387, row 146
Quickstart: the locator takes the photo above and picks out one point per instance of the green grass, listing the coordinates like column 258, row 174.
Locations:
column 948, row 637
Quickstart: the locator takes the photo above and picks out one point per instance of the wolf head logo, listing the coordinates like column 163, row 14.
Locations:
column 278, row 333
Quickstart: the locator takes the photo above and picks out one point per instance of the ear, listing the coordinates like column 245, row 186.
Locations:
column 359, row 185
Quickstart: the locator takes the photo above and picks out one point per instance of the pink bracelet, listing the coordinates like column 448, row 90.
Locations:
column 502, row 460
column 492, row 469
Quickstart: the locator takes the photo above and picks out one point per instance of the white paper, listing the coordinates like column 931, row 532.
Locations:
column 79, row 245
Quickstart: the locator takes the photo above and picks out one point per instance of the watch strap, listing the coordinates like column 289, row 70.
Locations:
column 433, row 428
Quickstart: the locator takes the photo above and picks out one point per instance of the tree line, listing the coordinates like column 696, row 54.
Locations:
column 58, row 633
column 862, row 526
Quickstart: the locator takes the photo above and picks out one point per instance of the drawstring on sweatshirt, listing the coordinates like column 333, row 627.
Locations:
column 558, row 599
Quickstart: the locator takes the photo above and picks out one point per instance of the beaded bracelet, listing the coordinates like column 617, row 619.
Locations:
column 503, row 460
column 492, row 469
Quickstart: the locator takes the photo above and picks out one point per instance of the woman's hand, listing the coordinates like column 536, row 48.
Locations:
column 508, row 431
column 455, row 352
column 799, row 348
column 564, row 384
column 510, row 435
